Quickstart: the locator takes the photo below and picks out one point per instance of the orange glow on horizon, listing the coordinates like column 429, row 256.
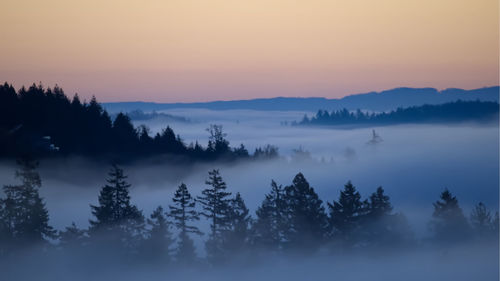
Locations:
column 198, row 50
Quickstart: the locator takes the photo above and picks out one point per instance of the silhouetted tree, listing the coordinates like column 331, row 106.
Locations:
column 270, row 227
column 237, row 236
column 183, row 212
column 43, row 122
column 379, row 204
column 382, row 228
column 158, row 238
column 346, row 213
column 216, row 208
column 449, row 223
column 482, row 222
column 116, row 219
column 306, row 218
column 268, row 152
column 125, row 135
column 217, row 143
column 25, row 219
column 458, row 111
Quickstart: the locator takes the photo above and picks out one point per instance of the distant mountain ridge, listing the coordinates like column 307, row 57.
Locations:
column 375, row 101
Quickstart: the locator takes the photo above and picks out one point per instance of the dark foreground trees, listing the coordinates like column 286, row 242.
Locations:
column 448, row 221
column 290, row 220
column 117, row 222
column 183, row 213
column 215, row 203
column 24, row 219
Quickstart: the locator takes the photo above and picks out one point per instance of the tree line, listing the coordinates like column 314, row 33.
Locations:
column 459, row 111
column 291, row 219
column 39, row 122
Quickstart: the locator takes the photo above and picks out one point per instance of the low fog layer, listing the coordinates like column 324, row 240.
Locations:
column 414, row 164
column 470, row 262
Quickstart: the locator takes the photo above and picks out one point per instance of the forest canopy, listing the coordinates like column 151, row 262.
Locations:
column 44, row 122
column 453, row 112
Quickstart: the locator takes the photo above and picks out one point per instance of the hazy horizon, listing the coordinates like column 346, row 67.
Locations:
column 217, row 50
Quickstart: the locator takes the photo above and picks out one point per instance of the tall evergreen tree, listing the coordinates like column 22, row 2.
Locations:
column 216, row 208
column 159, row 239
column 237, row 236
column 183, row 212
column 482, row 221
column 306, row 217
column 25, row 218
column 346, row 213
column 449, row 223
column 379, row 204
column 116, row 218
column 270, row 226
column 382, row 228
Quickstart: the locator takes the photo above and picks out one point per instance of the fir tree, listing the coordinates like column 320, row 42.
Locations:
column 159, row 239
column 449, row 223
column 237, row 236
column 306, row 218
column 481, row 221
column 382, row 228
column 116, row 218
column 216, row 208
column 346, row 213
column 269, row 228
column 183, row 212
column 379, row 204
column 25, row 218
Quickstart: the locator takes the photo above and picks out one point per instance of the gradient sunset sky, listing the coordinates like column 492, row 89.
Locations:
column 188, row 50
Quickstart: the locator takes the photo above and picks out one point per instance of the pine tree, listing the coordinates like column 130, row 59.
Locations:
column 116, row 219
column 237, row 236
column 481, row 221
column 379, row 204
column 183, row 212
column 382, row 228
column 306, row 218
column 25, row 218
column 345, row 214
column 216, row 208
column 269, row 228
column 159, row 239
column 449, row 223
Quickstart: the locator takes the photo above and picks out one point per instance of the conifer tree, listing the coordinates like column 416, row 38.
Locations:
column 159, row 239
column 183, row 212
column 25, row 218
column 346, row 213
column 269, row 228
column 449, row 223
column 216, row 208
column 382, row 228
column 237, row 236
column 482, row 221
column 379, row 204
column 116, row 218
column 306, row 218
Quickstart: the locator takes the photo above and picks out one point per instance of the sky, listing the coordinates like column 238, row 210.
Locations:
column 202, row 50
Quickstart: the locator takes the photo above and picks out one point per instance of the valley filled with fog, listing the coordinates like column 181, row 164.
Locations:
column 413, row 163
